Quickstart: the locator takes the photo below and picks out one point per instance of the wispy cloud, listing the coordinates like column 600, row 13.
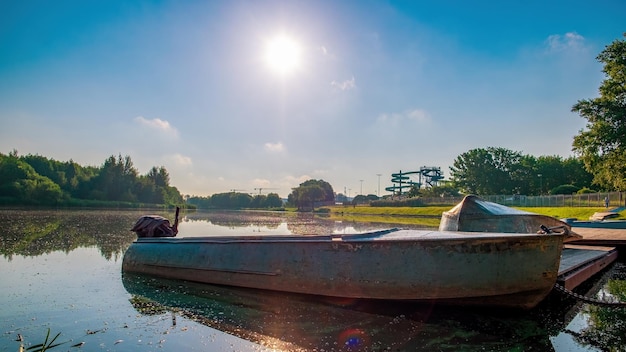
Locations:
column 180, row 160
column 567, row 41
column 274, row 147
column 260, row 183
column 345, row 85
column 157, row 124
column 395, row 119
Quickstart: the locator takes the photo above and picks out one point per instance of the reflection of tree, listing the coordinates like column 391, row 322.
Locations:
column 297, row 223
column 36, row 232
column 606, row 328
column 234, row 219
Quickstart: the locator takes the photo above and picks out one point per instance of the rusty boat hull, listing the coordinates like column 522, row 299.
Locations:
column 495, row 269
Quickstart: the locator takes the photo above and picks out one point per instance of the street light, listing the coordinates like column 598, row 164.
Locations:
column 361, row 187
column 540, row 188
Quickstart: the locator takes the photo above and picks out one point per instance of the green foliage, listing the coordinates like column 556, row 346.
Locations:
column 564, row 189
column 310, row 192
column 486, row 171
column 406, row 202
column 585, row 190
column 37, row 180
column 501, row 171
column 444, row 190
column 231, row 200
column 602, row 145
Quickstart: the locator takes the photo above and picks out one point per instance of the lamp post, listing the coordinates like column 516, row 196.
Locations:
column 361, row 187
column 540, row 188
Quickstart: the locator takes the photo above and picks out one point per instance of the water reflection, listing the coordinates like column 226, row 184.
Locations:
column 300, row 322
column 36, row 232
column 606, row 326
column 285, row 223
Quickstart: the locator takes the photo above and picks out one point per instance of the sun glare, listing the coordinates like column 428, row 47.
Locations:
column 282, row 54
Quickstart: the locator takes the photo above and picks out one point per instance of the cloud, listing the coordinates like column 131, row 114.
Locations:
column 568, row 41
column 157, row 124
column 260, row 183
column 345, row 85
column 395, row 119
column 274, row 147
column 180, row 160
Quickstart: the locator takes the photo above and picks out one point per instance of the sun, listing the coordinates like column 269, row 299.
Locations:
column 283, row 54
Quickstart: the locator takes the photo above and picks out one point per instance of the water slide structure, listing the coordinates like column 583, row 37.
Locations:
column 428, row 176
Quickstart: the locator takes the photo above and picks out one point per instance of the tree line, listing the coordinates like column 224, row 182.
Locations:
column 38, row 180
column 306, row 196
column 489, row 171
column 236, row 200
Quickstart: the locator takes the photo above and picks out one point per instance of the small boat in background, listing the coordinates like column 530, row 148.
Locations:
column 476, row 268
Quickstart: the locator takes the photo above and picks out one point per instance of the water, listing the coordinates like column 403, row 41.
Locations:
column 61, row 270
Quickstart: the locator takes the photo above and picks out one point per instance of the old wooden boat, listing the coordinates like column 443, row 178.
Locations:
column 484, row 268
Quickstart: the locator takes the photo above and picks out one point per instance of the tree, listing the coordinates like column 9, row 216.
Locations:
column 309, row 192
column 273, row 201
column 487, row 171
column 602, row 145
column 19, row 181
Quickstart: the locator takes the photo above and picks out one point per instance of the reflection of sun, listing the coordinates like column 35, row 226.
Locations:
column 282, row 54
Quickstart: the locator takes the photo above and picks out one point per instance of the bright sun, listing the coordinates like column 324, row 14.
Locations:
column 282, row 54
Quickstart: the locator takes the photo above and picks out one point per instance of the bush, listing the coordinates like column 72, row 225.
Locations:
column 406, row 202
column 564, row 189
column 585, row 190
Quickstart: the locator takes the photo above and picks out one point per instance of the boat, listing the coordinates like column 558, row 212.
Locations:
column 474, row 214
column 454, row 267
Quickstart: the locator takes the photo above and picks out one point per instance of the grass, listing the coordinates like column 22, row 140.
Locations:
column 430, row 216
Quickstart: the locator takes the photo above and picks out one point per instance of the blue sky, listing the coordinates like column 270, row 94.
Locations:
column 376, row 86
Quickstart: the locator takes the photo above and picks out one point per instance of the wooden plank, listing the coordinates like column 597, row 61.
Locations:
column 580, row 263
column 592, row 235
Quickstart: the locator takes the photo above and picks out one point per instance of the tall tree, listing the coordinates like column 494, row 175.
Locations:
column 602, row 145
column 309, row 192
column 486, row 171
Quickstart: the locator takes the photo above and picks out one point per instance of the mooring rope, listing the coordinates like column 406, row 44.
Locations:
column 589, row 300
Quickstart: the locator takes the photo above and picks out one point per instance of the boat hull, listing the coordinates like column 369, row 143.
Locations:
column 465, row 268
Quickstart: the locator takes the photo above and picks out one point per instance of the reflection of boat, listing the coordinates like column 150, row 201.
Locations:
column 503, row 269
column 291, row 322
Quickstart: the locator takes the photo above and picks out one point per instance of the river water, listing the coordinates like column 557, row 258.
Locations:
column 61, row 274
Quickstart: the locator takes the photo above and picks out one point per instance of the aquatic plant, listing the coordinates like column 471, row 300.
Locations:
column 42, row 347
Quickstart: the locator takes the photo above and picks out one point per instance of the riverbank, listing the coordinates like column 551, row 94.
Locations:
column 430, row 216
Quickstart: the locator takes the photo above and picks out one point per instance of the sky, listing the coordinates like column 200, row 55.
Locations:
column 260, row 96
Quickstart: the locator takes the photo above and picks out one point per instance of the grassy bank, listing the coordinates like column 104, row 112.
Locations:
column 430, row 216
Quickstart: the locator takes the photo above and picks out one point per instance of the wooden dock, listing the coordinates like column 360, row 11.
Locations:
column 579, row 263
column 586, row 257
column 601, row 236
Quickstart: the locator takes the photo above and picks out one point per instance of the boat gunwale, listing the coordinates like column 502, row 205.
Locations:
column 424, row 236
